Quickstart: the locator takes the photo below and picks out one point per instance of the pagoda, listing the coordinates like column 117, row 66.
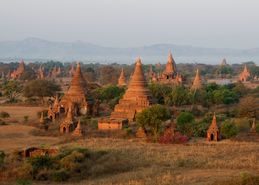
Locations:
column 197, row 83
column 77, row 95
column 243, row 77
column 136, row 98
column 122, row 80
column 78, row 130
column 54, row 110
column 170, row 74
column 253, row 128
column 19, row 71
column 213, row 131
column 40, row 73
column 67, row 125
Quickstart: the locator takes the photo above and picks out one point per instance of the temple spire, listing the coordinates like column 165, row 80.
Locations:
column 197, row 81
column 121, row 80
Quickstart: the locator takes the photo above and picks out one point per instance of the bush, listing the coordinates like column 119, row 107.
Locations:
column 4, row 114
column 60, row 176
column 186, row 123
column 228, row 129
column 23, row 182
column 25, row 119
column 2, row 157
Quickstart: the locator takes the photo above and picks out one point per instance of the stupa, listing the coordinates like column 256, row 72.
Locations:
column 19, row 71
column 213, row 131
column 170, row 74
column 67, row 125
column 223, row 62
column 54, row 110
column 243, row 77
column 253, row 128
column 78, row 131
column 40, row 73
column 78, row 95
column 122, row 80
column 136, row 98
column 197, row 83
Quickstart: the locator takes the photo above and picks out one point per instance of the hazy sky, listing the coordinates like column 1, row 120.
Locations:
column 123, row 23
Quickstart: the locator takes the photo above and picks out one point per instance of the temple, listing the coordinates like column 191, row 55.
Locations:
column 78, row 95
column 78, row 130
column 253, row 128
column 40, row 73
column 223, row 62
column 170, row 74
column 213, row 131
column 122, row 80
column 19, row 71
column 244, row 76
column 197, row 83
column 54, row 110
column 55, row 72
column 68, row 125
column 136, row 98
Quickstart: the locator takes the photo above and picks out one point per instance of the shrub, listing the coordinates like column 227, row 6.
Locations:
column 4, row 114
column 185, row 123
column 228, row 129
column 23, row 182
column 2, row 157
column 60, row 175
column 25, row 119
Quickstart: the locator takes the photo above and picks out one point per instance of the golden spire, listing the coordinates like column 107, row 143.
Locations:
column 197, row 81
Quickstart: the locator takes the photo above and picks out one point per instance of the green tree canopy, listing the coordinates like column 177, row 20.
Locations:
column 11, row 90
column 151, row 119
column 41, row 89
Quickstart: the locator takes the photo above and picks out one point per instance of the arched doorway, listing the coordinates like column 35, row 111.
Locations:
column 212, row 137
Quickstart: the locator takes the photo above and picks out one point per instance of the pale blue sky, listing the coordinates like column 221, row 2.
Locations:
column 123, row 23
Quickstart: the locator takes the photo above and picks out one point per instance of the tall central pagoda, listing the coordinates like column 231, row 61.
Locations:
column 77, row 94
column 136, row 98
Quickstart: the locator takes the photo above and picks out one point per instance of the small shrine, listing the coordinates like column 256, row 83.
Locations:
column 213, row 133
column 245, row 75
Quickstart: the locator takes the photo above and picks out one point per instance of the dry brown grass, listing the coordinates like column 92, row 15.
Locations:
column 197, row 163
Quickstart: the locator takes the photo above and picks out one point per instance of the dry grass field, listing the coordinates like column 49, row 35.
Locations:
column 135, row 162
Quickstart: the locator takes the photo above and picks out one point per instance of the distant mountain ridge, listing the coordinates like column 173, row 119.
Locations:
column 44, row 49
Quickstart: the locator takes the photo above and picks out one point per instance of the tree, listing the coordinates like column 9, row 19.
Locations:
column 185, row 123
column 179, row 96
column 151, row 119
column 160, row 92
column 12, row 89
column 41, row 89
column 109, row 94
column 248, row 107
column 228, row 129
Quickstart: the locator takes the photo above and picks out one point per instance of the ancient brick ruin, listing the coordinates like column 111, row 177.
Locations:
column 197, row 83
column 19, row 71
column 213, row 133
column 122, row 79
column 245, row 75
column 136, row 98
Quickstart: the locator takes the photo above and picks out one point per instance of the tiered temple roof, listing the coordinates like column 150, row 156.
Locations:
column 197, row 83
column 244, row 75
column 122, row 80
column 77, row 94
column 136, row 98
column 78, row 130
column 213, row 131
column 68, row 124
column 170, row 74
column 19, row 71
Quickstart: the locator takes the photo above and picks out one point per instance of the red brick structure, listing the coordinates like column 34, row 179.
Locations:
column 197, row 83
column 19, row 71
column 213, row 133
column 136, row 98
column 170, row 74
column 78, row 95
column 78, row 131
column 68, row 126
column 54, row 110
column 245, row 75
column 55, row 72
column 40, row 73
column 122, row 79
